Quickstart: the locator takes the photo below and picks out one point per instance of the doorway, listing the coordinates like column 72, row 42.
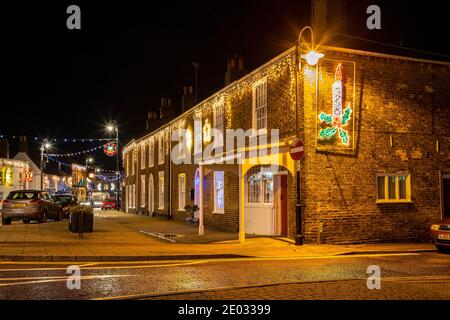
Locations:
column 281, row 205
column 446, row 196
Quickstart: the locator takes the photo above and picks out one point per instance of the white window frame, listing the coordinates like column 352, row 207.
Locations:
column 216, row 208
column 151, row 154
column 161, row 193
column 127, row 165
column 133, row 160
column 133, row 196
column 161, row 150
column 262, row 101
column 198, row 139
column 181, row 191
column 143, row 157
column 181, row 142
column 397, row 199
column 220, row 125
column 261, row 202
column 143, row 188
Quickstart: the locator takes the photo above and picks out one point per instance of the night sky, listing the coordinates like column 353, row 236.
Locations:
column 69, row 83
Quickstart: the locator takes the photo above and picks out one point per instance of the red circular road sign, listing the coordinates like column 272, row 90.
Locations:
column 297, row 150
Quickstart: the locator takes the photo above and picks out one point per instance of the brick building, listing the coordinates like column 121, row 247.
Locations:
column 376, row 132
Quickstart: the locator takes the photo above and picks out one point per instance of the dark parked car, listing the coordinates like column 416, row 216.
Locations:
column 66, row 201
column 27, row 205
column 440, row 234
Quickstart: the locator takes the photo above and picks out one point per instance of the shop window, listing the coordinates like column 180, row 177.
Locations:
column 393, row 188
column 219, row 192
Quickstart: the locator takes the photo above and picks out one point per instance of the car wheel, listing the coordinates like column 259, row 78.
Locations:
column 26, row 221
column 6, row 221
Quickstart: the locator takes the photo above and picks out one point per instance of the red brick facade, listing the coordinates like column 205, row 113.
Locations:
column 399, row 124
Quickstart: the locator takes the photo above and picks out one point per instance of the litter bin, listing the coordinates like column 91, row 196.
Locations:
column 87, row 222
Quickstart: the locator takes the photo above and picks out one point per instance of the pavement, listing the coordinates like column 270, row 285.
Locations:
column 120, row 236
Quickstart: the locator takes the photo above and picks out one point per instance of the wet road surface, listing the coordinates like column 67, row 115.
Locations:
column 45, row 280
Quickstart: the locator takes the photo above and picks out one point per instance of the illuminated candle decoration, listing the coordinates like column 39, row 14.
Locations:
column 338, row 118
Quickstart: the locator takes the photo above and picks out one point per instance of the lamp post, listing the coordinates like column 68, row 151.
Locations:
column 111, row 128
column 312, row 58
column 88, row 160
column 45, row 146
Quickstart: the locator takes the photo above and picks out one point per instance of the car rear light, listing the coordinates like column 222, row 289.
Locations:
column 5, row 202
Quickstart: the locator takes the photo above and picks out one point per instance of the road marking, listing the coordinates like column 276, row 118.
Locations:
column 109, row 267
column 178, row 263
column 63, row 279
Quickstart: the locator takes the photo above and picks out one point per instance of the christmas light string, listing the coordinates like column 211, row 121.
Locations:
column 66, row 164
column 72, row 154
column 72, row 140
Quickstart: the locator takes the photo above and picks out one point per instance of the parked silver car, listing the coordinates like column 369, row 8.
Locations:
column 27, row 205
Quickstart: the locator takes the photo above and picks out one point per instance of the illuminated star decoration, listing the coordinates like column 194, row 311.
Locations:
column 337, row 119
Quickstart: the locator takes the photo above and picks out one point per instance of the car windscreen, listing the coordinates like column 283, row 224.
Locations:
column 22, row 195
column 63, row 199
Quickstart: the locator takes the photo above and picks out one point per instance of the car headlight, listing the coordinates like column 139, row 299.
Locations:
column 435, row 227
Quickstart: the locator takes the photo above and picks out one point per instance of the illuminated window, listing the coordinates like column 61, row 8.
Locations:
column 260, row 105
column 133, row 161
column 143, row 158
column 219, row 200
column 219, row 117
column 198, row 138
column 259, row 186
column 151, row 157
column 181, row 141
column 161, row 150
column 161, row 190
column 133, row 196
column 393, row 188
column 143, row 190
column 181, row 191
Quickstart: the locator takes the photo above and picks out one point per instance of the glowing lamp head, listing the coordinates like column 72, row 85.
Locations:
column 110, row 128
column 47, row 145
column 312, row 57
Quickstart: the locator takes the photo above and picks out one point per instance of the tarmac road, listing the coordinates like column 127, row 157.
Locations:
column 44, row 280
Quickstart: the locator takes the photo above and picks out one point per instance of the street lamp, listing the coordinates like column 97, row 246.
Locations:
column 45, row 146
column 111, row 128
column 312, row 58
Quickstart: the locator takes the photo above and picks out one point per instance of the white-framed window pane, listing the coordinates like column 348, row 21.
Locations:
column 402, row 189
column 143, row 190
column 254, row 187
column 391, row 187
column 161, row 190
column 381, row 188
column 267, row 179
column 260, row 102
column 181, row 191
column 219, row 201
column 151, row 151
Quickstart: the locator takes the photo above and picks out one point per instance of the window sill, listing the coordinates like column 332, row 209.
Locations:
column 181, row 210
column 218, row 212
column 394, row 202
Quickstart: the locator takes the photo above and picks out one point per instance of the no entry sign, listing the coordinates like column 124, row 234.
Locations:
column 297, row 150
